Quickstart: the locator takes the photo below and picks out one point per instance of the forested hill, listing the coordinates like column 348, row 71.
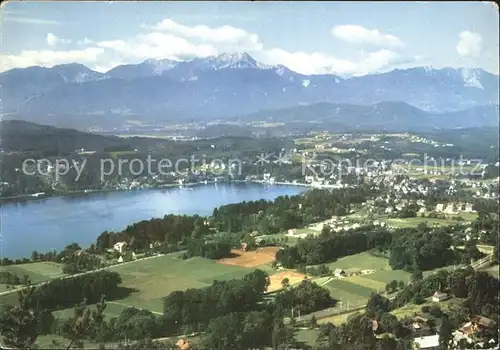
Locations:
column 17, row 135
column 22, row 136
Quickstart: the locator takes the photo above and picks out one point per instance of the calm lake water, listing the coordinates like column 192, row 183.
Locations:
column 55, row 222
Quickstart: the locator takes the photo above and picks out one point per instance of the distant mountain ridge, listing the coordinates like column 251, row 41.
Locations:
column 390, row 116
column 228, row 85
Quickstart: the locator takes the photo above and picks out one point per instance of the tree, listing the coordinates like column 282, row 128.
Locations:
column 417, row 275
column 314, row 322
column 18, row 324
column 258, row 280
column 83, row 322
column 377, row 305
column 34, row 255
column 401, row 285
column 223, row 333
column 445, row 332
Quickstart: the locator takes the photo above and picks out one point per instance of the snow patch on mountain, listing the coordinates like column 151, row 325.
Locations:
column 280, row 70
column 161, row 65
column 471, row 78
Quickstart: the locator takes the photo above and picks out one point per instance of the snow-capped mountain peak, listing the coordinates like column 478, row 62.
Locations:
column 235, row 60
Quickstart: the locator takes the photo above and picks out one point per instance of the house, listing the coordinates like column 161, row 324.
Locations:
column 483, row 322
column 421, row 327
column 428, row 342
column 439, row 296
column 183, row 344
column 439, row 207
column 450, row 209
column 339, row 273
column 120, row 246
column 375, row 325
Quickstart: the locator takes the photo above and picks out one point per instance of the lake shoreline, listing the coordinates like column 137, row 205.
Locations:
column 54, row 222
column 82, row 193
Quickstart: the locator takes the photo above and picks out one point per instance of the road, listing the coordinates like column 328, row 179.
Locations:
column 81, row 274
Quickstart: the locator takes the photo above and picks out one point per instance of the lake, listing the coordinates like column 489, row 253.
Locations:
column 54, row 222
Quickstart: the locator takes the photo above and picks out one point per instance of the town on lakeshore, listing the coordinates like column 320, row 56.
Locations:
column 249, row 175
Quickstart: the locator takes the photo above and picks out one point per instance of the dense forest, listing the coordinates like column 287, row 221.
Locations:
column 329, row 247
column 286, row 212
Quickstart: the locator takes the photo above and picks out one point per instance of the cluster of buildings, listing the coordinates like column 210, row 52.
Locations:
column 455, row 208
column 469, row 333
column 472, row 333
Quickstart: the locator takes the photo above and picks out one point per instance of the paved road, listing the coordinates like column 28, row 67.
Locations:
column 80, row 274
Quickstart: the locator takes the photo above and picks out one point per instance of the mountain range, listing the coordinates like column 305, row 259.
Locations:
column 226, row 86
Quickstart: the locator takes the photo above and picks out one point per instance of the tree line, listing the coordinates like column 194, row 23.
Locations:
column 329, row 247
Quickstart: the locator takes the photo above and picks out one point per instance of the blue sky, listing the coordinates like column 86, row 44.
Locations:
column 346, row 38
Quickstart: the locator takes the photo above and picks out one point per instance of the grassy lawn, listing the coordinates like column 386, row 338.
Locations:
column 38, row 272
column 411, row 309
column 368, row 282
column 387, row 276
column 337, row 320
column 307, row 336
column 363, row 260
column 415, row 221
column 113, row 309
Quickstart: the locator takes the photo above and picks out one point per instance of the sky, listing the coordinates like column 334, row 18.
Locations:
column 344, row 38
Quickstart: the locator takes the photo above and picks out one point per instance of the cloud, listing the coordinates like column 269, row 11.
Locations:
column 53, row 40
column 158, row 45
column 356, row 34
column 30, row 20
column 320, row 63
column 49, row 58
column 469, row 44
column 225, row 34
column 84, row 42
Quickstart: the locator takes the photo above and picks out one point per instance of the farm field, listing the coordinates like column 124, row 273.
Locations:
column 37, row 272
column 348, row 292
column 157, row 278
column 275, row 280
column 154, row 279
column 355, row 289
column 261, row 256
